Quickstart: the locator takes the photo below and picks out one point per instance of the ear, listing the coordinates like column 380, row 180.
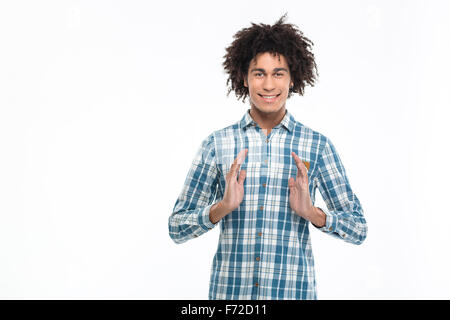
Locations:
column 245, row 82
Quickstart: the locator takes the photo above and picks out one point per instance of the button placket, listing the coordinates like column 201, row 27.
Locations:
column 263, row 178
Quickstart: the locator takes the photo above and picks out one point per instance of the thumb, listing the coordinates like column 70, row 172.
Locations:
column 242, row 177
column 291, row 182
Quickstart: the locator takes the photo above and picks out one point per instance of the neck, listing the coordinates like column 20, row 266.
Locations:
column 267, row 120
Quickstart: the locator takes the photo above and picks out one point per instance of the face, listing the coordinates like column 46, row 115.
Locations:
column 268, row 82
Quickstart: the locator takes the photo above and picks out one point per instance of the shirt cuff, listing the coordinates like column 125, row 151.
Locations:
column 330, row 221
column 203, row 218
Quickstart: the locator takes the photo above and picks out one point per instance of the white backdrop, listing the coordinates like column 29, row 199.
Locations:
column 103, row 105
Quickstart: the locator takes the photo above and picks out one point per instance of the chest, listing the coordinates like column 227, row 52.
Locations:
column 269, row 159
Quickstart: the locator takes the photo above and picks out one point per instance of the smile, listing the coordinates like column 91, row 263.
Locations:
column 271, row 98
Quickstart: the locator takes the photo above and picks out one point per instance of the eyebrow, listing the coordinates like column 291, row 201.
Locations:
column 264, row 71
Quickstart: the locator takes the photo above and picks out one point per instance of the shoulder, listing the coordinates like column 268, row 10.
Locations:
column 219, row 136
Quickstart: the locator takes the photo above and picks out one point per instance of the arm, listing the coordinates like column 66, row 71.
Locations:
column 344, row 214
column 190, row 217
column 218, row 211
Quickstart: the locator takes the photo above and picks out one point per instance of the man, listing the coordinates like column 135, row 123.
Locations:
column 242, row 177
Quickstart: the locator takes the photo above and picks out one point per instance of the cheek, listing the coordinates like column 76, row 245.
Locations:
column 285, row 92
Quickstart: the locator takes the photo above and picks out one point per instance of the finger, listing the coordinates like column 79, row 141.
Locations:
column 235, row 163
column 299, row 164
column 303, row 164
column 241, row 159
column 242, row 175
column 241, row 156
column 297, row 160
column 302, row 170
column 238, row 161
column 291, row 182
column 304, row 173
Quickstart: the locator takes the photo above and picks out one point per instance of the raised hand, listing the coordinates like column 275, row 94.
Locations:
column 299, row 197
column 234, row 189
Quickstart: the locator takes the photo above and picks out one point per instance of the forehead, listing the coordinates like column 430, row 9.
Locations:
column 269, row 59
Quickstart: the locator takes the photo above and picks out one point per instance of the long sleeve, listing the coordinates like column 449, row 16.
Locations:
column 190, row 217
column 344, row 213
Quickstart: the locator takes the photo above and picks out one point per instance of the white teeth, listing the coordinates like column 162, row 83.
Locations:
column 269, row 97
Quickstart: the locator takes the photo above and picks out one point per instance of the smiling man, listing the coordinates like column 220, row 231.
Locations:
column 257, row 178
column 268, row 83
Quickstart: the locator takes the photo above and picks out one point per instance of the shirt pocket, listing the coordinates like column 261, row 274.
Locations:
column 283, row 174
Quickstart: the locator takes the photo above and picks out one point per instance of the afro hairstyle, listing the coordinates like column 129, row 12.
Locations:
column 281, row 38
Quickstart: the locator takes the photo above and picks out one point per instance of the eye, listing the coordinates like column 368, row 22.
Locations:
column 257, row 74
column 278, row 74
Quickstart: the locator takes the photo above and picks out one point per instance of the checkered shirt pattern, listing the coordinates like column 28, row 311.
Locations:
column 264, row 249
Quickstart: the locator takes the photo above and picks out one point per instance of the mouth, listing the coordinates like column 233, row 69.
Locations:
column 269, row 98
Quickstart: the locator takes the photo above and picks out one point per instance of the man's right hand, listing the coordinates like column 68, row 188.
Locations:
column 234, row 190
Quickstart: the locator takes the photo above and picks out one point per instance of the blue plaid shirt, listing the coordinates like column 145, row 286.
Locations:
column 264, row 249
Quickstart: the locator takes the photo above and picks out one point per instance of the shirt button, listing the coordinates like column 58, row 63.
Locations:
column 256, row 284
column 264, row 184
column 260, row 234
column 331, row 229
column 261, row 207
column 265, row 161
column 343, row 235
column 257, row 258
column 267, row 140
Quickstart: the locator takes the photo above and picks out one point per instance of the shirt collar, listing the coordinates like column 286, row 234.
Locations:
column 288, row 121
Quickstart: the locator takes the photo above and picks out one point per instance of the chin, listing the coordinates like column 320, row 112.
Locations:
column 268, row 108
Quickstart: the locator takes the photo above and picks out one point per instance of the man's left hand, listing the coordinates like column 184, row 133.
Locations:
column 299, row 198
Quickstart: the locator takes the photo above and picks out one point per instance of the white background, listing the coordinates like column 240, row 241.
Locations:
column 103, row 105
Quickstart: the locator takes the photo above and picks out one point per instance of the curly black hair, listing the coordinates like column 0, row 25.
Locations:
column 281, row 38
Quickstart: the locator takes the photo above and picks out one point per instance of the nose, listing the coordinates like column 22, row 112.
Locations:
column 268, row 84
